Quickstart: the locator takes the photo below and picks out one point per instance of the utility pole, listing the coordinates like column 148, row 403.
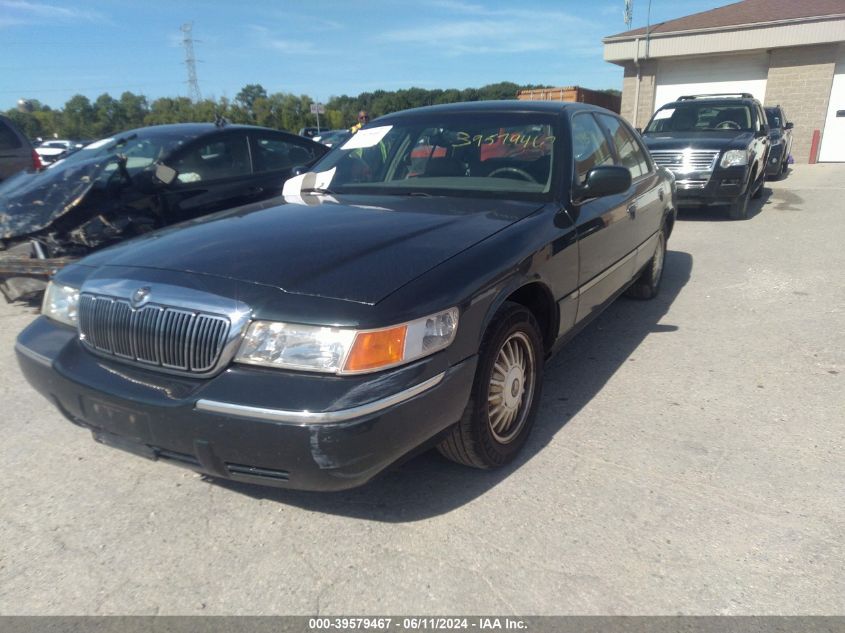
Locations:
column 191, row 63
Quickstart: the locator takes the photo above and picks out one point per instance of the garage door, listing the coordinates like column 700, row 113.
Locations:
column 707, row 75
column 833, row 141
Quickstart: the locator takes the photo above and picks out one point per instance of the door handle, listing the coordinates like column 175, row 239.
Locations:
column 256, row 190
column 660, row 194
column 840, row 113
column 632, row 211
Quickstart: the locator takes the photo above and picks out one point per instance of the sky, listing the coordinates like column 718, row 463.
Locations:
column 53, row 50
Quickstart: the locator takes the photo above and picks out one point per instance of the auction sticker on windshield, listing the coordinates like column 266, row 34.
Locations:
column 369, row 137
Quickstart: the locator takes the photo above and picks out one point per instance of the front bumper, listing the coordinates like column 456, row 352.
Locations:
column 722, row 186
column 254, row 425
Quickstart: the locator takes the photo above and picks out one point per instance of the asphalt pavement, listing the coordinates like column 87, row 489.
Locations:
column 688, row 458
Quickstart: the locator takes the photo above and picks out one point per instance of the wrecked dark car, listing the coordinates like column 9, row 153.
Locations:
column 124, row 186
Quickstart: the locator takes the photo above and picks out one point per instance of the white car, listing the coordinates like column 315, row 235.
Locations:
column 50, row 151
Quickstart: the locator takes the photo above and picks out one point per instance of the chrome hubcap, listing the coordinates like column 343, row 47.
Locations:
column 511, row 388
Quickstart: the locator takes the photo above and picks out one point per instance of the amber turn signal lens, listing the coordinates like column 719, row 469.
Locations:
column 376, row 349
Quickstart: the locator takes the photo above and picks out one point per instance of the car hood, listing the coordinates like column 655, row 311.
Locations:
column 698, row 140
column 31, row 201
column 355, row 248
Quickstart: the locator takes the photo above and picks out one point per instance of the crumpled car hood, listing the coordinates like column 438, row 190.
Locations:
column 30, row 202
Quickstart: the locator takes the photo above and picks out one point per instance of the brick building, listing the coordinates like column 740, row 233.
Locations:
column 786, row 52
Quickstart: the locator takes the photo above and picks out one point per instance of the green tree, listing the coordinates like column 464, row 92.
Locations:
column 135, row 109
column 108, row 116
column 248, row 95
column 77, row 118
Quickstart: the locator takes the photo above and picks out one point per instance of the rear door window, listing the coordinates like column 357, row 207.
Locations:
column 8, row 138
column 272, row 153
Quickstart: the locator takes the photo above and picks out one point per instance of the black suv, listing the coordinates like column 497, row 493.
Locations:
column 780, row 133
column 16, row 153
column 717, row 147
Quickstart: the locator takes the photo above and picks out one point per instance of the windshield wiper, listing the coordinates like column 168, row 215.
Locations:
column 420, row 194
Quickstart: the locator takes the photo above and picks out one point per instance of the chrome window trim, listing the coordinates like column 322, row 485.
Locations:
column 302, row 418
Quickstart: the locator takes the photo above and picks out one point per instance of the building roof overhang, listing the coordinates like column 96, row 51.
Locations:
column 808, row 31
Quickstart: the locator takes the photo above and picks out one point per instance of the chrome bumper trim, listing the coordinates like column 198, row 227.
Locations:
column 309, row 417
column 38, row 358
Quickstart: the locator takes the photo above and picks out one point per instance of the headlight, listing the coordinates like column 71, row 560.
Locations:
column 345, row 351
column 734, row 158
column 61, row 303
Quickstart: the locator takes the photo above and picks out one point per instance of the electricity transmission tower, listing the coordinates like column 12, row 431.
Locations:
column 629, row 12
column 191, row 62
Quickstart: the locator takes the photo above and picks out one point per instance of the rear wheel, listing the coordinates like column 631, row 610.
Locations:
column 647, row 284
column 505, row 393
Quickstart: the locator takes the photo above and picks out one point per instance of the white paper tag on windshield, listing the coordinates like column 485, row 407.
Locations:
column 310, row 180
column 664, row 114
column 367, row 138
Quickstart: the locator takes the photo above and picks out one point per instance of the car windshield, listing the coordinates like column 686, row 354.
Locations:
column 773, row 116
column 454, row 154
column 141, row 148
column 333, row 136
column 700, row 116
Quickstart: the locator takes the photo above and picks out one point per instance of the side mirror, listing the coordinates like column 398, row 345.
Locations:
column 165, row 175
column 605, row 181
column 788, row 126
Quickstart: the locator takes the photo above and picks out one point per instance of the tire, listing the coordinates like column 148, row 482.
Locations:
column 759, row 190
column 497, row 420
column 647, row 284
column 739, row 207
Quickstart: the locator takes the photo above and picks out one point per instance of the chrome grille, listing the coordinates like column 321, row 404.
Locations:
column 686, row 161
column 691, row 183
column 162, row 336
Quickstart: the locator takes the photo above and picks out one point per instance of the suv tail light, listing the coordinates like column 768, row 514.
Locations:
column 36, row 161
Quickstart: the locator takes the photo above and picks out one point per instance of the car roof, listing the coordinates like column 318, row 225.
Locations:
column 194, row 129
column 503, row 106
column 734, row 101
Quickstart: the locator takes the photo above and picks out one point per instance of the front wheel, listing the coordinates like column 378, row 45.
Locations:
column 739, row 207
column 505, row 393
column 758, row 191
